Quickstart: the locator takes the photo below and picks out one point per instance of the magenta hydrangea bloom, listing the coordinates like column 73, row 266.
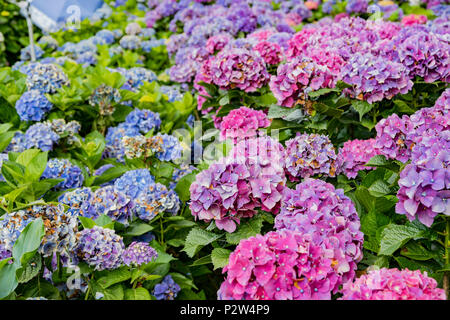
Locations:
column 393, row 137
column 238, row 68
column 412, row 19
column 298, row 77
column 270, row 52
column 282, row 265
column 218, row 42
column 353, row 156
column 250, row 177
column 308, row 155
column 374, row 78
column 393, row 284
column 318, row 209
column 242, row 123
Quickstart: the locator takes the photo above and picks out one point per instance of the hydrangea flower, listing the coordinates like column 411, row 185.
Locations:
column 25, row 53
column 39, row 136
column 113, row 203
column 101, row 248
column 133, row 29
column 282, row 265
column 130, row 42
column 32, row 106
column 167, row 289
column 47, row 78
column 134, row 182
column 138, row 253
column 114, row 146
column 67, row 130
column 107, row 36
column 60, row 228
column 171, row 148
column 373, row 78
column 310, row 154
column 5, row 254
column 140, row 146
column 156, row 199
column 353, row 156
column 270, row 52
column 242, row 123
column 178, row 173
column 80, row 202
column 238, row 68
column 143, row 120
column 104, row 97
column 64, row 169
column 393, row 284
column 135, row 77
column 318, row 209
column 217, row 42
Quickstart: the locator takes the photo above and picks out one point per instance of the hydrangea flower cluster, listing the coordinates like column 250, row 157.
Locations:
column 167, row 289
column 238, row 68
column 310, row 154
column 32, row 106
column 393, row 284
column 60, row 228
column 318, row 209
column 242, row 123
column 5, row 253
column 156, row 199
column 80, row 202
column 283, row 265
column 179, row 173
column 135, row 77
column 64, row 169
column 270, row 52
column 104, row 97
column 39, row 135
column 138, row 253
column 47, row 78
column 113, row 203
column 353, row 156
column 134, row 182
column 130, row 42
column 250, row 177
column 99, row 247
column 217, row 42
column 143, row 120
column 114, row 146
column 373, row 78
column 67, row 130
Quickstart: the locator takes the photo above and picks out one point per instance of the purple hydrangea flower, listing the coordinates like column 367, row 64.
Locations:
column 143, row 120
column 80, row 202
column 115, row 204
column 138, row 253
column 167, row 289
column 64, row 169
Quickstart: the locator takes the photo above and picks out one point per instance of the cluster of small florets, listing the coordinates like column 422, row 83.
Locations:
column 282, row 265
column 250, row 177
column 138, row 253
column 60, row 228
column 130, row 42
column 46, row 78
column 64, row 169
column 353, row 156
column 32, row 106
column 99, row 247
column 67, row 130
column 142, row 147
column 143, row 120
column 308, row 155
column 179, row 173
column 114, row 146
column 167, row 289
column 325, row 213
column 154, row 200
column 173, row 93
column 104, row 97
column 113, row 203
column 80, row 202
column 135, row 77
column 39, row 135
column 393, row 284
column 133, row 182
column 5, row 253
column 242, row 123
column 238, row 68
column 218, row 42
column 270, row 52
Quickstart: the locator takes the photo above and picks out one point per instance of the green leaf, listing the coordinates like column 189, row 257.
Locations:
column 198, row 238
column 36, row 166
column 138, row 228
column 362, row 107
column 182, row 187
column 379, row 188
column 114, row 293
column 8, row 280
column 86, row 222
column 202, row 261
column 137, row 294
column 5, row 139
column 219, row 257
column 28, row 242
column 246, row 230
column 104, row 221
column 114, row 276
column 415, row 251
column 394, row 236
column 183, row 281
column 321, row 92
column 31, row 269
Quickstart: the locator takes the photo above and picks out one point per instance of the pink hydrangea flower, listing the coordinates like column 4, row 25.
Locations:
column 242, row 123
column 412, row 19
column 318, row 209
column 282, row 265
column 262, row 34
column 270, row 52
column 353, row 156
column 393, row 284
column 218, row 42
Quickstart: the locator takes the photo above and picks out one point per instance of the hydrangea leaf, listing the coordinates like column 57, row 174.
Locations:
column 219, row 257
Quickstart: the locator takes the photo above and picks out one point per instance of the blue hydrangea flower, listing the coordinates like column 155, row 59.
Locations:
column 167, row 289
column 143, row 120
column 138, row 253
column 107, row 36
column 114, row 146
column 39, row 136
column 113, row 203
column 148, row 45
column 80, row 202
column 25, row 53
column 87, row 59
column 60, row 228
column 101, row 248
column 47, row 78
column 134, row 182
column 146, row 237
column 64, row 169
column 130, row 42
column 32, row 106
column 154, row 200
column 105, row 97
column 171, row 148
column 172, row 92
column 180, row 173
column 49, row 41
column 135, row 77
column 147, row 33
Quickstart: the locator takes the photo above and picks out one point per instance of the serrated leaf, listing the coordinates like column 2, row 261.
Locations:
column 31, row 269
column 362, row 107
column 394, row 236
column 114, row 276
column 198, row 238
column 379, row 188
column 246, row 230
column 137, row 294
column 219, row 257
column 138, row 228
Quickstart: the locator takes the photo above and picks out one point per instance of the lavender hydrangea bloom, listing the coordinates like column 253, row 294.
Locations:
column 32, row 106
column 134, row 182
column 80, row 202
column 64, row 169
column 60, row 228
column 47, row 78
column 167, row 289
column 310, row 154
column 100, row 248
column 5, row 253
column 138, row 253
column 113, row 203
column 107, row 36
